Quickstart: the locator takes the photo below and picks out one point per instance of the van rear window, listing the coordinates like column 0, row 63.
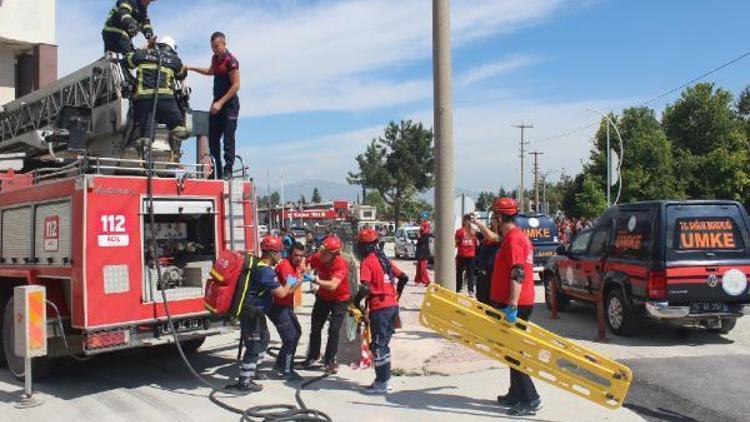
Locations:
column 707, row 233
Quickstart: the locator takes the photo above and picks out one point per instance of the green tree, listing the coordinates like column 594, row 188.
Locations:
column 709, row 140
column 591, row 202
column 485, row 200
column 398, row 164
column 316, row 199
column 374, row 199
column 412, row 209
column 275, row 198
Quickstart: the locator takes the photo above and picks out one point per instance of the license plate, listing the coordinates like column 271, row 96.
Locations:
column 183, row 325
column 707, row 307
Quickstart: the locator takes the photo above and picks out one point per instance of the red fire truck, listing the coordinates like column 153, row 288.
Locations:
column 80, row 227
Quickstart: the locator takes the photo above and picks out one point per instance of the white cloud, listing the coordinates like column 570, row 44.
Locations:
column 490, row 70
column 486, row 144
column 302, row 56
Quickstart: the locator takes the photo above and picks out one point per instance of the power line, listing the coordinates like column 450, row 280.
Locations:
column 658, row 97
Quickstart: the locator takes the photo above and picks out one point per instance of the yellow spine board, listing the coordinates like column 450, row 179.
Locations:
column 526, row 347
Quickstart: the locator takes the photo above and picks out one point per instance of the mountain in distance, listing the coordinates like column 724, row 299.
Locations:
column 330, row 191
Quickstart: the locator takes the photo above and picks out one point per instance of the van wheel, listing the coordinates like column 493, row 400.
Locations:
column 727, row 325
column 563, row 302
column 40, row 367
column 619, row 317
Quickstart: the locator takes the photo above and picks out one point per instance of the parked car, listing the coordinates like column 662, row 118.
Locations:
column 406, row 242
column 542, row 231
column 262, row 230
column 686, row 262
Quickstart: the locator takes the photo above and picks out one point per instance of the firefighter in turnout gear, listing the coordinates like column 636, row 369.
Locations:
column 126, row 19
column 379, row 287
column 146, row 63
column 255, row 300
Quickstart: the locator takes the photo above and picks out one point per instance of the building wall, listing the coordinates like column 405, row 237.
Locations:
column 28, row 21
column 7, row 74
column 27, row 28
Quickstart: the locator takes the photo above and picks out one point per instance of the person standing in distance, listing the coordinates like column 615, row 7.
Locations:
column 512, row 292
column 466, row 244
column 225, row 108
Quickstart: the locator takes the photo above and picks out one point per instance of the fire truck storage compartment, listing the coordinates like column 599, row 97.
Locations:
column 185, row 244
column 37, row 233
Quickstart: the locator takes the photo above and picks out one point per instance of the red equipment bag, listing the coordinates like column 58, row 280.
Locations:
column 225, row 274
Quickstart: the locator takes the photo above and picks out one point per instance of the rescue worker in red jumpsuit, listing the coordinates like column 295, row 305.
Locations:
column 377, row 277
column 423, row 254
column 282, row 312
column 255, row 303
column 331, row 302
column 466, row 244
column 512, row 291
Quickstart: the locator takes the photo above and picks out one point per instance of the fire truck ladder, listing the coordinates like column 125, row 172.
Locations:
column 526, row 347
column 27, row 121
column 235, row 200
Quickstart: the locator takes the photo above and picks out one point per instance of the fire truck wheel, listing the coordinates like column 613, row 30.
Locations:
column 192, row 345
column 41, row 367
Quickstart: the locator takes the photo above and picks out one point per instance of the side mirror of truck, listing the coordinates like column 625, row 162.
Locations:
column 561, row 250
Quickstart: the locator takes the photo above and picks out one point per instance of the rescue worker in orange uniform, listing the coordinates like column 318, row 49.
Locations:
column 282, row 313
column 255, row 303
column 423, row 253
column 512, row 292
column 331, row 302
column 377, row 277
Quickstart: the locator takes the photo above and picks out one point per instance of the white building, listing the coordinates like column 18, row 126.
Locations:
column 28, row 54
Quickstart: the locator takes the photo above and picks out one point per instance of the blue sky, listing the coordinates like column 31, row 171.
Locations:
column 321, row 78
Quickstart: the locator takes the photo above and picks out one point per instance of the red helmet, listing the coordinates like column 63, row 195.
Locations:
column 425, row 227
column 367, row 236
column 506, row 206
column 332, row 244
column 272, row 243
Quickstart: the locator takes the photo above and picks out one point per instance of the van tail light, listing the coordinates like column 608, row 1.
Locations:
column 657, row 285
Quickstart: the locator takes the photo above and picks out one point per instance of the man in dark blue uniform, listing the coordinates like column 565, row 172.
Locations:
column 255, row 300
column 225, row 108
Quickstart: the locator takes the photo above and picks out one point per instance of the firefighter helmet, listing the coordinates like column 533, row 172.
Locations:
column 167, row 40
column 505, row 206
column 332, row 244
column 368, row 235
column 272, row 243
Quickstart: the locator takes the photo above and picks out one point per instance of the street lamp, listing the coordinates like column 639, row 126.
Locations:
column 609, row 160
column 544, row 188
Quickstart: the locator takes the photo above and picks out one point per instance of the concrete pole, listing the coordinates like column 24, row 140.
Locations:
column 609, row 171
column 445, row 262
column 522, row 193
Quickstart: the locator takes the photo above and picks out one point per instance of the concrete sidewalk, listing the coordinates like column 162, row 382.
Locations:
column 439, row 381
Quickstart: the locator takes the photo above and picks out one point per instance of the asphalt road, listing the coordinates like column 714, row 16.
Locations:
column 681, row 374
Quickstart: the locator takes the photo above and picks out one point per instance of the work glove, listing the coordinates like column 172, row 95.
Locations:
column 291, row 281
column 132, row 30
column 402, row 280
column 309, row 278
column 511, row 313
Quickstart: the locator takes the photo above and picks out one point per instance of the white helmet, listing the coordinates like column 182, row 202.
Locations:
column 167, row 40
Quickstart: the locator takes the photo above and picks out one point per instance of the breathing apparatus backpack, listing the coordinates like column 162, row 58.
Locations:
column 227, row 289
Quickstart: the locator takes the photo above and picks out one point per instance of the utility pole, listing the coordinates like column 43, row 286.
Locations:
column 536, row 155
column 445, row 263
column 521, row 192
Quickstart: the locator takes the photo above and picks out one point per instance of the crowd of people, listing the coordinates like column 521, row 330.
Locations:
column 568, row 227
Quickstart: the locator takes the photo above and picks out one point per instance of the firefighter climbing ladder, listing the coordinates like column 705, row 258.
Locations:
column 526, row 347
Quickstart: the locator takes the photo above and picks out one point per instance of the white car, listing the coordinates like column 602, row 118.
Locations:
column 406, row 242
column 262, row 230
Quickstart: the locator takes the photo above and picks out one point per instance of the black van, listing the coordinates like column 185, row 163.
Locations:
column 681, row 261
column 542, row 231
